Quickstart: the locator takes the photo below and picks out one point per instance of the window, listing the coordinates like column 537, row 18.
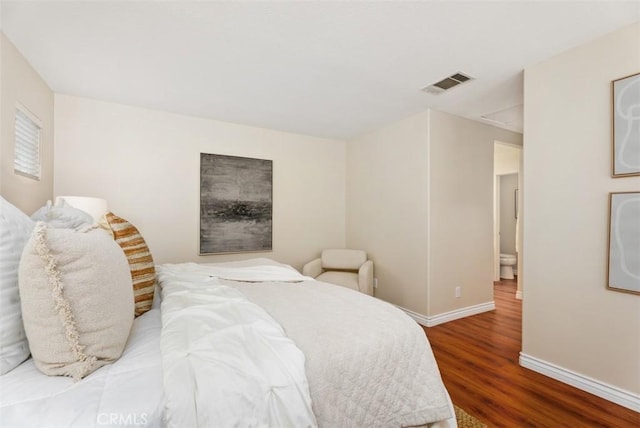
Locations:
column 27, row 149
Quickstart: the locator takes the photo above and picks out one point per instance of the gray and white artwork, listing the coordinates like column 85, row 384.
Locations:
column 626, row 126
column 235, row 204
column 624, row 242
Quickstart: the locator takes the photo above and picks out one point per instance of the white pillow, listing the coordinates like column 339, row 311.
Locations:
column 77, row 300
column 15, row 229
column 62, row 216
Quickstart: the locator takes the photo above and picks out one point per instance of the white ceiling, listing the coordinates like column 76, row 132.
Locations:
column 330, row 69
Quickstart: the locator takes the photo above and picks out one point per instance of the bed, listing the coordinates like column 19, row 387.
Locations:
column 251, row 343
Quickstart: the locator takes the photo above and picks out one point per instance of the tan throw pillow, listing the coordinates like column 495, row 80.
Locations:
column 143, row 271
column 77, row 303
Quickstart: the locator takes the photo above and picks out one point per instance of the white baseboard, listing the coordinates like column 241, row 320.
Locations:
column 450, row 316
column 519, row 294
column 611, row 393
column 419, row 318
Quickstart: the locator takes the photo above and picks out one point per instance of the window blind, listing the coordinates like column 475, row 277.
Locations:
column 27, row 149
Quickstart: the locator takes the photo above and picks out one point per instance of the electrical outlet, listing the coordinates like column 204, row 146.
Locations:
column 375, row 282
column 457, row 292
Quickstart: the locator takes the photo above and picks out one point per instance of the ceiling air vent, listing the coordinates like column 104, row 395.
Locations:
column 447, row 83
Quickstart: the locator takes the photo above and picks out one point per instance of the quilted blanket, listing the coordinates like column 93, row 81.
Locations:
column 366, row 362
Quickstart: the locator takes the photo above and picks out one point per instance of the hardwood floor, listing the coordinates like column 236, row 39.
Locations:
column 478, row 359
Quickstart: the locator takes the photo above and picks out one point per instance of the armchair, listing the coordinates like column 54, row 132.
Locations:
column 348, row 268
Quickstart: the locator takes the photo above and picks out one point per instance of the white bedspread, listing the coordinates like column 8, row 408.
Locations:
column 367, row 363
column 226, row 362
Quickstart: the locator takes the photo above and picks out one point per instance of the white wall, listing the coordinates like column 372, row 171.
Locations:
column 461, row 180
column 146, row 164
column 19, row 83
column 420, row 201
column 387, row 208
column 570, row 318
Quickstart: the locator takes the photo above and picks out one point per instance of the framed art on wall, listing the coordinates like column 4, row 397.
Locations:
column 625, row 94
column 236, row 204
column 624, row 242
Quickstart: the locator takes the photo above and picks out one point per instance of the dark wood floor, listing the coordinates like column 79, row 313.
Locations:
column 478, row 359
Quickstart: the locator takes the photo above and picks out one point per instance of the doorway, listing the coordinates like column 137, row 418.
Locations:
column 507, row 206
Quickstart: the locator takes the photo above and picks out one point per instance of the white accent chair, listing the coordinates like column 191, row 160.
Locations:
column 348, row 268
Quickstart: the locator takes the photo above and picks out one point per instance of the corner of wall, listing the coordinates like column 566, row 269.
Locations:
column 428, row 214
column 20, row 83
column 461, row 177
column 386, row 207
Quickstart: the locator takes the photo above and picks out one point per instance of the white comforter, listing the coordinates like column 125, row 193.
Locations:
column 366, row 362
column 226, row 362
column 127, row 393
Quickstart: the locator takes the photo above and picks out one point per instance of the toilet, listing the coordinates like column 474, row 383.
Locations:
column 507, row 262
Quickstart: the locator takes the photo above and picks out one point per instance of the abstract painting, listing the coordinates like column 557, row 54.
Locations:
column 626, row 126
column 236, row 203
column 624, row 242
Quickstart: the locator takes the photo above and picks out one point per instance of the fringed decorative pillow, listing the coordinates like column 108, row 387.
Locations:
column 143, row 271
column 77, row 300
